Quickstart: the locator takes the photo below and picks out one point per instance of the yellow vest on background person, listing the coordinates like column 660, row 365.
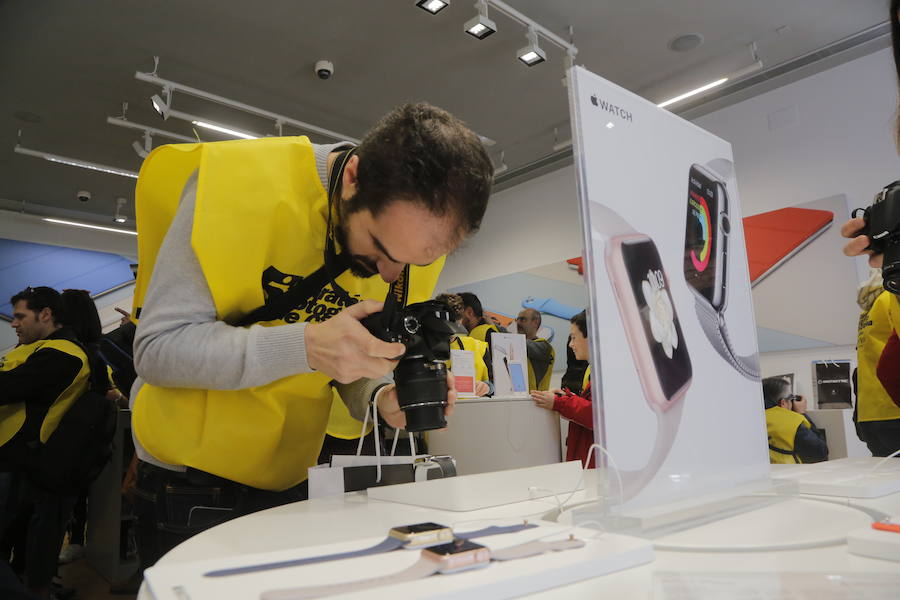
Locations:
column 544, row 383
column 480, row 332
column 478, row 349
column 782, row 425
column 874, row 403
column 586, row 379
column 12, row 416
column 260, row 208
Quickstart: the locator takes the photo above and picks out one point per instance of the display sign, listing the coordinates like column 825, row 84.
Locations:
column 678, row 402
column 463, row 369
column 508, row 352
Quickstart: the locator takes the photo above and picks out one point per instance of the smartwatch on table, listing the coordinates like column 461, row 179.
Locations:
column 642, row 291
column 706, row 258
column 418, row 535
column 453, row 557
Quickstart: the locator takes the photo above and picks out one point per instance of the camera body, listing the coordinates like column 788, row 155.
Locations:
column 882, row 226
column 421, row 375
column 324, row 69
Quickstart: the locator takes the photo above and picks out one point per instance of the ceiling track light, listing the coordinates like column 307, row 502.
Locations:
column 531, row 54
column 160, row 105
column 119, row 217
column 240, row 106
column 433, row 6
column 503, row 167
column 122, row 122
column 480, row 26
column 74, row 162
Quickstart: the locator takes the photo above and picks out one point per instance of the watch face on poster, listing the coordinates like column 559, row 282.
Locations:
column 705, row 240
column 651, row 323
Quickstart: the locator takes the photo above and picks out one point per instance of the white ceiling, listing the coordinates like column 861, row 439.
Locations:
column 70, row 65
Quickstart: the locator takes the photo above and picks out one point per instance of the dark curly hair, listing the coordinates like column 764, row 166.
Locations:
column 423, row 154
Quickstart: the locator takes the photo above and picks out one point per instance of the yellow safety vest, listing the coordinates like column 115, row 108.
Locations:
column 782, row 425
column 260, row 208
column 481, row 331
column 874, row 403
column 544, row 383
column 340, row 423
column 586, row 379
column 478, row 350
column 12, row 416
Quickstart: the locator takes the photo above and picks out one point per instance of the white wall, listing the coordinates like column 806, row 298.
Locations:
column 831, row 133
column 799, row 362
column 530, row 225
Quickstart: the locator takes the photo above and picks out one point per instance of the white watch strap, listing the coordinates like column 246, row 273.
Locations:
column 534, row 548
column 713, row 325
column 420, row 569
column 666, row 430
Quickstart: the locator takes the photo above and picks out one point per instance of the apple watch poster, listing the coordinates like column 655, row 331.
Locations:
column 674, row 356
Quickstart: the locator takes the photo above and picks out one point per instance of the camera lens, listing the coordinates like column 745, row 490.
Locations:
column 422, row 393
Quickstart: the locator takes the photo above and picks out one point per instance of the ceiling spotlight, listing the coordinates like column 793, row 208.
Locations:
column 144, row 149
column 433, row 6
column 480, row 26
column 503, row 167
column 119, row 217
column 162, row 106
column 532, row 53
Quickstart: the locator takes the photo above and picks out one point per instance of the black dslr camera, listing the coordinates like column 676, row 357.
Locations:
column 883, row 228
column 421, row 376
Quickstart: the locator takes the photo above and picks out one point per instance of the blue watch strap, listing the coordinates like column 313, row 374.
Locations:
column 495, row 530
column 386, row 545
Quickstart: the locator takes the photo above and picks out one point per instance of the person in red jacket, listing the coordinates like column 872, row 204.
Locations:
column 576, row 408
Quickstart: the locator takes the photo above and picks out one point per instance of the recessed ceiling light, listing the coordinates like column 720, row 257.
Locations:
column 686, row 42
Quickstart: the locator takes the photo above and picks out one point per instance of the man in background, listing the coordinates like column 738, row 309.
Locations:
column 793, row 437
column 40, row 380
column 541, row 355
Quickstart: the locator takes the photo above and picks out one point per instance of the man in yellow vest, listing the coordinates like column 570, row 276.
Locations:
column 258, row 259
column 40, row 379
column 878, row 418
column 793, row 438
column 541, row 355
column 478, row 326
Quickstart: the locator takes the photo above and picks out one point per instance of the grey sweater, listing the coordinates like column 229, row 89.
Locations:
column 180, row 343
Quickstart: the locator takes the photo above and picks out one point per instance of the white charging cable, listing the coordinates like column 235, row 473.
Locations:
column 885, row 459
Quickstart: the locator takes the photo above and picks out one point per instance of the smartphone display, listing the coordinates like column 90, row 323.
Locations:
column 704, row 243
column 660, row 353
column 516, row 376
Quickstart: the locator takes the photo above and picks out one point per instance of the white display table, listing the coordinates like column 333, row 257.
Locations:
column 353, row 516
column 494, row 434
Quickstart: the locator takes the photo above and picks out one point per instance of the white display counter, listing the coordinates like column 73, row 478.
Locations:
column 494, row 434
column 753, row 537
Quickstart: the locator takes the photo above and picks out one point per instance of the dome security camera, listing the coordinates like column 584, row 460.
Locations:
column 83, row 195
column 324, row 69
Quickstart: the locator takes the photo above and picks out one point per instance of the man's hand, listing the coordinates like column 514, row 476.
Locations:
column 345, row 351
column 545, row 399
column 389, row 404
column 482, row 388
column 858, row 245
